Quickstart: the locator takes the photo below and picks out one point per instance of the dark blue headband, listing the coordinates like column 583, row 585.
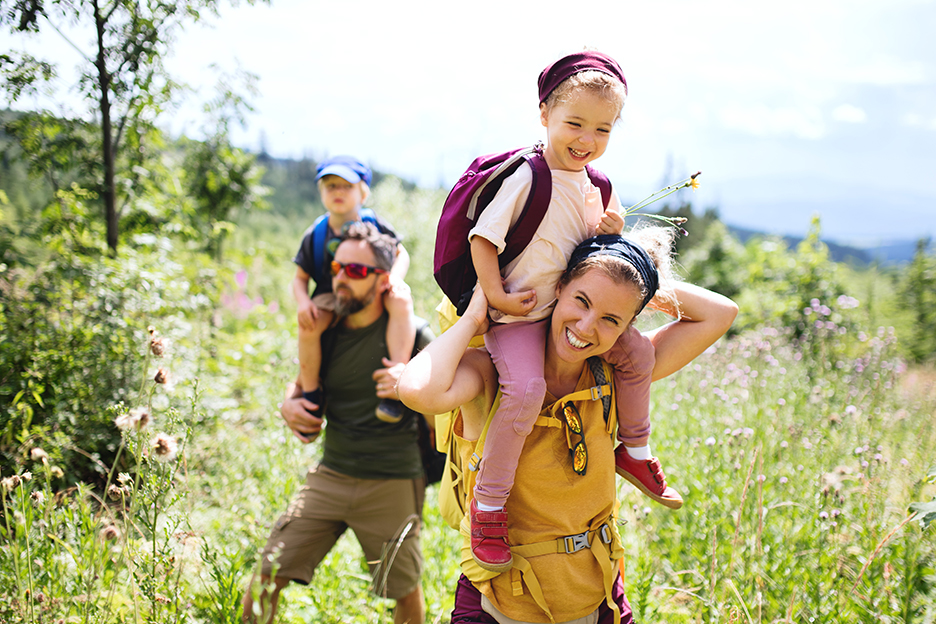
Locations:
column 619, row 247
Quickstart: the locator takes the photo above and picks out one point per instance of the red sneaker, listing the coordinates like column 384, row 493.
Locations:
column 489, row 546
column 647, row 476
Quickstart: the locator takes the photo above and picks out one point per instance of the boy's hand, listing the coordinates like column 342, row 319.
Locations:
column 611, row 222
column 307, row 313
column 387, row 379
column 515, row 304
column 397, row 297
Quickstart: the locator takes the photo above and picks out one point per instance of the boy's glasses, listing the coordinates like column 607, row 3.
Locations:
column 579, row 451
column 354, row 270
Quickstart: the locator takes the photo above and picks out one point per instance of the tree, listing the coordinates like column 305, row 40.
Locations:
column 123, row 81
column 919, row 297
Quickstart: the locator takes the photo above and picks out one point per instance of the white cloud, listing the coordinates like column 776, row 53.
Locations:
column 848, row 113
column 915, row 120
column 763, row 121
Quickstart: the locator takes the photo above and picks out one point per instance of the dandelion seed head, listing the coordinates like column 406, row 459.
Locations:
column 136, row 418
column 710, row 441
column 164, row 447
column 158, row 345
column 37, row 454
column 162, row 376
column 38, row 498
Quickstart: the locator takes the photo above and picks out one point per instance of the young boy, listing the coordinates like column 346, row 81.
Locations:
column 344, row 184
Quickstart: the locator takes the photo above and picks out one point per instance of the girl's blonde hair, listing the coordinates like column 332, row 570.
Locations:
column 605, row 86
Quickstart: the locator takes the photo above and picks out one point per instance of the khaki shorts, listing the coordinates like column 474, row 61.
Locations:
column 378, row 511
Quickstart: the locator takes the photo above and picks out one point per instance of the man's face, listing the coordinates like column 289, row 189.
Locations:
column 353, row 295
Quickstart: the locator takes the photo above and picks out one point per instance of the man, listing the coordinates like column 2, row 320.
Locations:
column 371, row 475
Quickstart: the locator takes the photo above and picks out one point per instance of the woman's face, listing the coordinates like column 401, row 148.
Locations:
column 591, row 313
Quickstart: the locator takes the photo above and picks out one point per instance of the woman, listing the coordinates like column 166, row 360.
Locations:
column 561, row 527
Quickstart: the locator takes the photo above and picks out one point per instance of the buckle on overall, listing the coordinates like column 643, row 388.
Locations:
column 596, row 393
column 575, row 543
column 473, row 462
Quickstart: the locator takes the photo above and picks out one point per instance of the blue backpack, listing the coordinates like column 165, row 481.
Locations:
column 319, row 236
column 452, row 265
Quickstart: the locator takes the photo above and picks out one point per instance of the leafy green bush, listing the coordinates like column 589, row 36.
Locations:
column 73, row 329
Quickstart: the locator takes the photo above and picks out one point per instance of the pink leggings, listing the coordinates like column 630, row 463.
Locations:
column 518, row 351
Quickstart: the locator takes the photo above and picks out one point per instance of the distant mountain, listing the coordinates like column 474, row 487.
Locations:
column 895, row 252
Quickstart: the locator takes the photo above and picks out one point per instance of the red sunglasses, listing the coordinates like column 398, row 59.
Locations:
column 354, row 270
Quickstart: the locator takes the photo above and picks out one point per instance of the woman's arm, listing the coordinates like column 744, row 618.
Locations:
column 706, row 316
column 443, row 376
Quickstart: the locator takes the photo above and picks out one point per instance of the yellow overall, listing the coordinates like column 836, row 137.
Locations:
column 563, row 533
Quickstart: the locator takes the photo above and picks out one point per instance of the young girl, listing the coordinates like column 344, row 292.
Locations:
column 581, row 97
column 343, row 183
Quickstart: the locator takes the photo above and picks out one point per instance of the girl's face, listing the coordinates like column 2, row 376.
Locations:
column 591, row 313
column 340, row 197
column 578, row 130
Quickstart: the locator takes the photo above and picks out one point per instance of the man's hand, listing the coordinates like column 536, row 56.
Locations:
column 304, row 425
column 387, row 379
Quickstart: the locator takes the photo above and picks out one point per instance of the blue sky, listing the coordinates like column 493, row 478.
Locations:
column 788, row 109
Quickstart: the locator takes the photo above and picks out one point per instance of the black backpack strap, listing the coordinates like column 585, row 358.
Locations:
column 598, row 372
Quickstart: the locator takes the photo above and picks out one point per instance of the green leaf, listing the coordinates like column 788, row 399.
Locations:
column 925, row 511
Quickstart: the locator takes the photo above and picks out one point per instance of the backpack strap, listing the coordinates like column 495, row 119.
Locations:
column 602, row 391
column 320, row 236
column 519, row 237
column 601, row 181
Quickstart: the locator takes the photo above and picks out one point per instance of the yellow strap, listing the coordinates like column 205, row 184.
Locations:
column 532, row 583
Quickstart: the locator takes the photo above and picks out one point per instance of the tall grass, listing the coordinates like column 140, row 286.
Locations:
column 798, row 451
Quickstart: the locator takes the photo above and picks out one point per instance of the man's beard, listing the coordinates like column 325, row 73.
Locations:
column 347, row 305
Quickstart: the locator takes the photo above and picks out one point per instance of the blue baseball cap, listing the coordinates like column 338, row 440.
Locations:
column 345, row 167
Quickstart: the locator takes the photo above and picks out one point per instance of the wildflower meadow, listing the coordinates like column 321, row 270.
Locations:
column 803, row 444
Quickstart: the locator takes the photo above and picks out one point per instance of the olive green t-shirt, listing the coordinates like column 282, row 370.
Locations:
column 356, row 442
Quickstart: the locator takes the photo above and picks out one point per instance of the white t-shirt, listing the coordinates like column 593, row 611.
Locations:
column 574, row 212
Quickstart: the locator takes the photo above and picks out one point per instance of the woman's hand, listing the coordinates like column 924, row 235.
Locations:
column 477, row 312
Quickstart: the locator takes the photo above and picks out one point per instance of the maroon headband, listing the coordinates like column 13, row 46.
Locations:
column 554, row 74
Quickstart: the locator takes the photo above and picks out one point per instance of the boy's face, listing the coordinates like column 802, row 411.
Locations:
column 578, row 130
column 341, row 198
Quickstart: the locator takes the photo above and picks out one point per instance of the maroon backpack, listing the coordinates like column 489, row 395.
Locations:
column 452, row 266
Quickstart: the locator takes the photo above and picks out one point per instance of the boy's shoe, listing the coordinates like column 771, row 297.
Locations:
column 647, row 476
column 489, row 546
column 390, row 411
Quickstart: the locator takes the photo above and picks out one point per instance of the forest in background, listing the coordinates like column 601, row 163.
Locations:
column 158, row 285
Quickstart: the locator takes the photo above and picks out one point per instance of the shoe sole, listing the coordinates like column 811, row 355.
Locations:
column 388, row 419
column 666, row 502
column 499, row 569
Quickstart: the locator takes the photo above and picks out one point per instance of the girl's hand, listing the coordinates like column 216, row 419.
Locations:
column 307, row 313
column 516, row 304
column 611, row 223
